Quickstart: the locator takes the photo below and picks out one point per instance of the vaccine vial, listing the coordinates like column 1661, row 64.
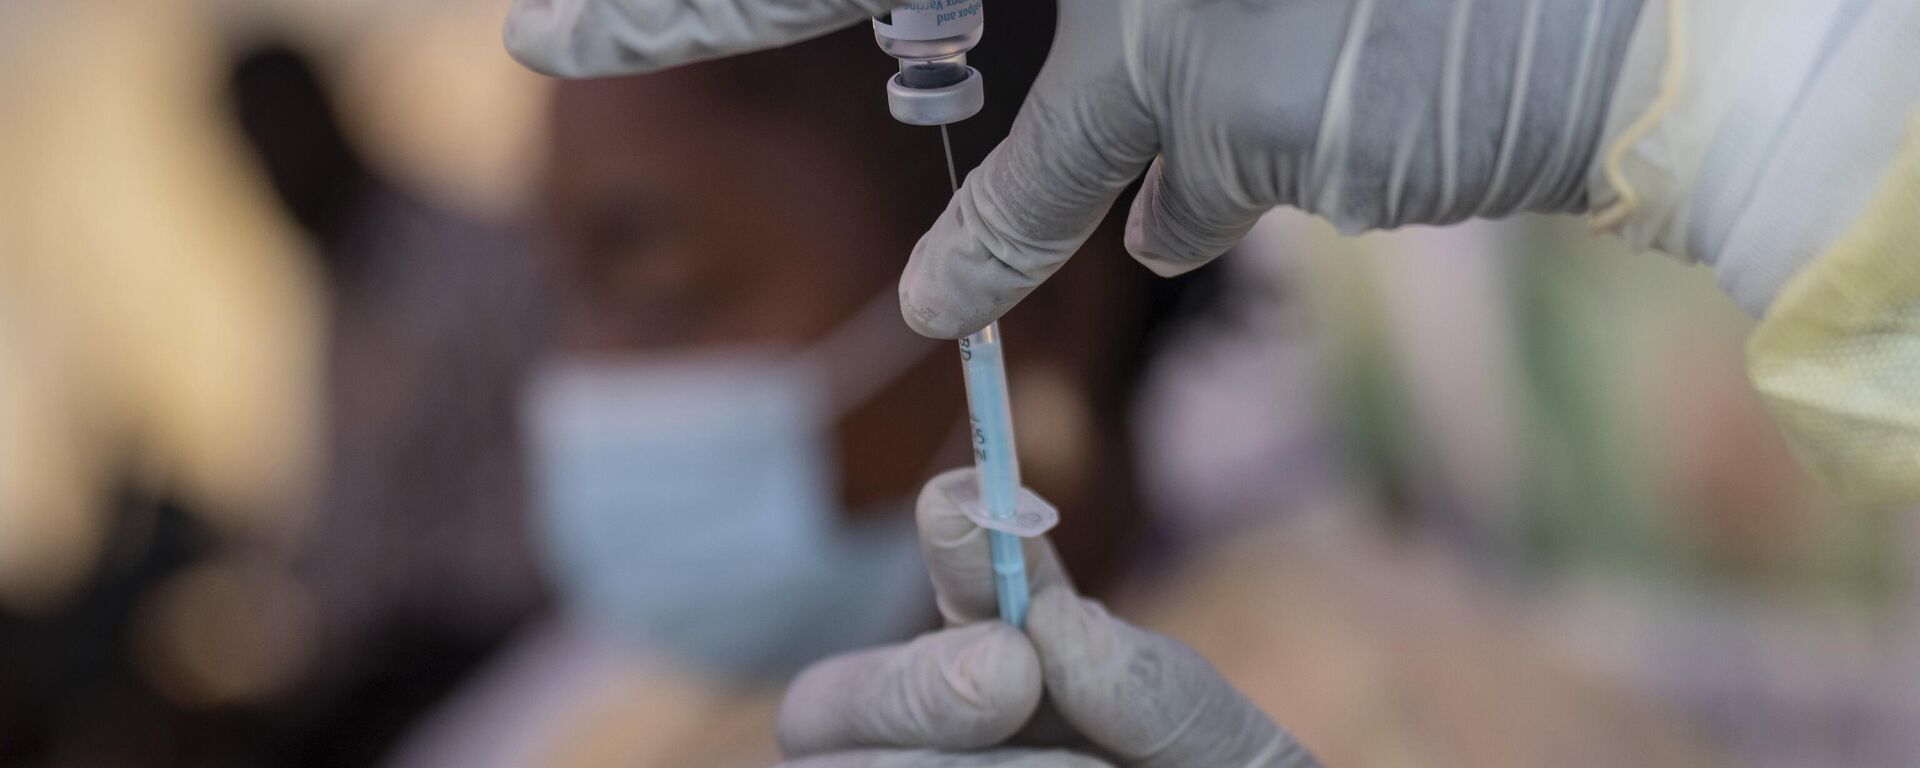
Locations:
column 930, row 39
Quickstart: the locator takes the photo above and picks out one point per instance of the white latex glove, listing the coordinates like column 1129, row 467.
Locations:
column 971, row 695
column 1373, row 113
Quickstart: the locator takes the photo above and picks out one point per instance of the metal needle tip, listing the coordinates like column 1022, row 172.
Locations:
column 946, row 142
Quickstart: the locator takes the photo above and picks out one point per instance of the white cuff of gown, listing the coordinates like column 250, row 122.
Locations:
column 1749, row 136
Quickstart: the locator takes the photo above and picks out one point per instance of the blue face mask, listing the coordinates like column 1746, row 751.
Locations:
column 691, row 505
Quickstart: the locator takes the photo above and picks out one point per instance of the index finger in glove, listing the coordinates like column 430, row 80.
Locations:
column 1081, row 138
column 959, row 559
column 590, row 38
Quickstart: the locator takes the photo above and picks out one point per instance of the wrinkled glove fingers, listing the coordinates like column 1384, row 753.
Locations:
column 1182, row 219
column 958, row 558
column 1079, row 140
column 1146, row 699
column 1004, row 758
column 588, row 38
column 964, row 688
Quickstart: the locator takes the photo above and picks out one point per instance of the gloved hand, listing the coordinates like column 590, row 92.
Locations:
column 971, row 695
column 1374, row 113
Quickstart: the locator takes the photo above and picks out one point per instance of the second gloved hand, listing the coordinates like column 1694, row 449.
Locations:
column 1372, row 113
column 971, row 695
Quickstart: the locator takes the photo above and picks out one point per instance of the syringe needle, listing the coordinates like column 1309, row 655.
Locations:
column 946, row 142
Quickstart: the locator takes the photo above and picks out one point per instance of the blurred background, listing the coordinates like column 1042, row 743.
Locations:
column 368, row 400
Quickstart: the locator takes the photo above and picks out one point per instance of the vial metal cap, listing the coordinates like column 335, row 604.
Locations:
column 936, row 106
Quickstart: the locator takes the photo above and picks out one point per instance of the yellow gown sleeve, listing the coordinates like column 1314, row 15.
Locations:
column 1837, row 357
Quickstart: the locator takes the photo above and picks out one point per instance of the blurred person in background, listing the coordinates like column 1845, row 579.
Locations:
column 730, row 426
column 406, row 560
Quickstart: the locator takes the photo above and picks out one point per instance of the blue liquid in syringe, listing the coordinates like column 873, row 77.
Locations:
column 997, row 465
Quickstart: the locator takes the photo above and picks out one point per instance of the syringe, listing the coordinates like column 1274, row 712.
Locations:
column 936, row 87
column 996, row 465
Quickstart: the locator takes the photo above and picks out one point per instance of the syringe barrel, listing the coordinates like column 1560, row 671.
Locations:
column 996, row 464
column 991, row 418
